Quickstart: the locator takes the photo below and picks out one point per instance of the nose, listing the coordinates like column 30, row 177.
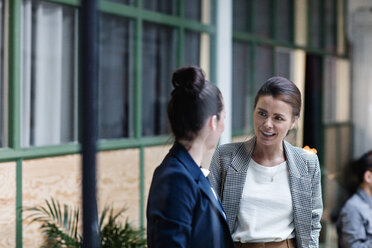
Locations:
column 268, row 123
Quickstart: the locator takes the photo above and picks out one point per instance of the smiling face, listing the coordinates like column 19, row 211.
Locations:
column 273, row 119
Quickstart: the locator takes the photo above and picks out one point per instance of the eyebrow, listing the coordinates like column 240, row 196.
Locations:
column 262, row 109
column 276, row 114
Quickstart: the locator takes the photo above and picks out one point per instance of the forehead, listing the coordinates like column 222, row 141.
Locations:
column 274, row 105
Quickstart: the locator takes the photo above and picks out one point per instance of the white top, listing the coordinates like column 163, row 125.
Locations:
column 266, row 211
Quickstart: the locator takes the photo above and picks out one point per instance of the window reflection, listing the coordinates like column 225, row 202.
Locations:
column 192, row 48
column 116, row 77
column 241, row 86
column 49, row 74
column 169, row 7
column 159, row 55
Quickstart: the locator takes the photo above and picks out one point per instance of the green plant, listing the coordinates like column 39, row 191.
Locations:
column 60, row 225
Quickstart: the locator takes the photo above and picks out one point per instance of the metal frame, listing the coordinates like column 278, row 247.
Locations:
column 16, row 153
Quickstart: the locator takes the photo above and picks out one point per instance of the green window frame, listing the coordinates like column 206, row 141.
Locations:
column 14, row 152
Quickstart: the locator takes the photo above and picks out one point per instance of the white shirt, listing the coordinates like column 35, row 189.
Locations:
column 266, row 211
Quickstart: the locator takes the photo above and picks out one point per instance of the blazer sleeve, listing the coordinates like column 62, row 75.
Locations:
column 215, row 175
column 317, row 203
column 171, row 202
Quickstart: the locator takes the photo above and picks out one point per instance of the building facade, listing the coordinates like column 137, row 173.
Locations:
column 238, row 43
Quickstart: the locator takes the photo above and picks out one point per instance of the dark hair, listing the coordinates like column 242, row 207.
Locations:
column 283, row 88
column 193, row 100
column 361, row 165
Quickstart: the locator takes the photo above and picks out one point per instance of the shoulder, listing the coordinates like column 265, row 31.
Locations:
column 230, row 148
column 354, row 206
column 234, row 148
column 301, row 153
column 170, row 170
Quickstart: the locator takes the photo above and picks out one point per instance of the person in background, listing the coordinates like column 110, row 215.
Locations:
column 354, row 224
column 182, row 209
column 271, row 190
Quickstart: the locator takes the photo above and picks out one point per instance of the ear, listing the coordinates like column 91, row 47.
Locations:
column 212, row 122
column 368, row 177
column 294, row 120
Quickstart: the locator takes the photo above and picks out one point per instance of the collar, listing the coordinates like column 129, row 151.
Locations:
column 365, row 197
column 296, row 165
column 185, row 158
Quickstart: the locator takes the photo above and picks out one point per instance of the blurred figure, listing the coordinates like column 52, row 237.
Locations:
column 354, row 225
column 183, row 210
column 270, row 189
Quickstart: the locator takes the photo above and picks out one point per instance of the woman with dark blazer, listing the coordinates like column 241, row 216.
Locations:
column 271, row 190
column 183, row 210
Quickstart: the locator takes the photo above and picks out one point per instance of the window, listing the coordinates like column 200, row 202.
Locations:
column 49, row 74
column 336, row 90
column 284, row 62
column 192, row 47
column 261, row 17
column 159, row 61
column 3, row 98
column 169, row 7
column 242, row 87
column 284, row 21
column 128, row 2
column 116, row 77
column 263, row 65
column 260, row 28
column 323, row 24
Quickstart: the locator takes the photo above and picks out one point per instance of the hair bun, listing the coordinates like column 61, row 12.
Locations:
column 190, row 79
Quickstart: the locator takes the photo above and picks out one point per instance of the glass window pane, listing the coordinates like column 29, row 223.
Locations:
column 241, row 16
column 330, row 25
column 192, row 48
column 262, row 17
column 336, row 90
column 3, row 97
column 263, row 64
column 127, row 2
column 49, row 74
column 115, row 77
column 284, row 20
column 163, row 6
column 283, row 63
column 193, row 9
column 315, row 23
column 242, row 101
column 159, row 61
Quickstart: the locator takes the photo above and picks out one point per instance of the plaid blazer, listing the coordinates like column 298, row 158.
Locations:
column 228, row 172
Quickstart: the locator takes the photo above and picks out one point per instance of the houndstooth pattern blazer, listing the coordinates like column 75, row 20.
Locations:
column 228, row 171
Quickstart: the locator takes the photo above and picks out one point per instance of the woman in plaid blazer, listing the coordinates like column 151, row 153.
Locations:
column 270, row 190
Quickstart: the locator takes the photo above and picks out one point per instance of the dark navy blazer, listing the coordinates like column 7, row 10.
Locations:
column 182, row 210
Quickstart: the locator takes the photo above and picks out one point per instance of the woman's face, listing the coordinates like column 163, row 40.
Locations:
column 272, row 120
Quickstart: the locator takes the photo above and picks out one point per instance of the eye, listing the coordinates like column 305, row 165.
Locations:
column 262, row 113
column 279, row 118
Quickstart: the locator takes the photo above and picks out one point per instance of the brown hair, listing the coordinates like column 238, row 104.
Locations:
column 286, row 90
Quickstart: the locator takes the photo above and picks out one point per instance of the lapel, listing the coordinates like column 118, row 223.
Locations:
column 243, row 156
column 236, row 172
column 194, row 170
column 300, row 183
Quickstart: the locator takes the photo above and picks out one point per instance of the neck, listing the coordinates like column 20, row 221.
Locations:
column 366, row 188
column 196, row 149
column 268, row 156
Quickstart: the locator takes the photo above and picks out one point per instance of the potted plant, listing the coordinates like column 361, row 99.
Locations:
column 60, row 227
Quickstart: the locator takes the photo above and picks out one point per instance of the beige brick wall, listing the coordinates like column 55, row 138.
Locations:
column 7, row 204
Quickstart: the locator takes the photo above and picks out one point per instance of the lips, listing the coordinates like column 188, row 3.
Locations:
column 268, row 134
